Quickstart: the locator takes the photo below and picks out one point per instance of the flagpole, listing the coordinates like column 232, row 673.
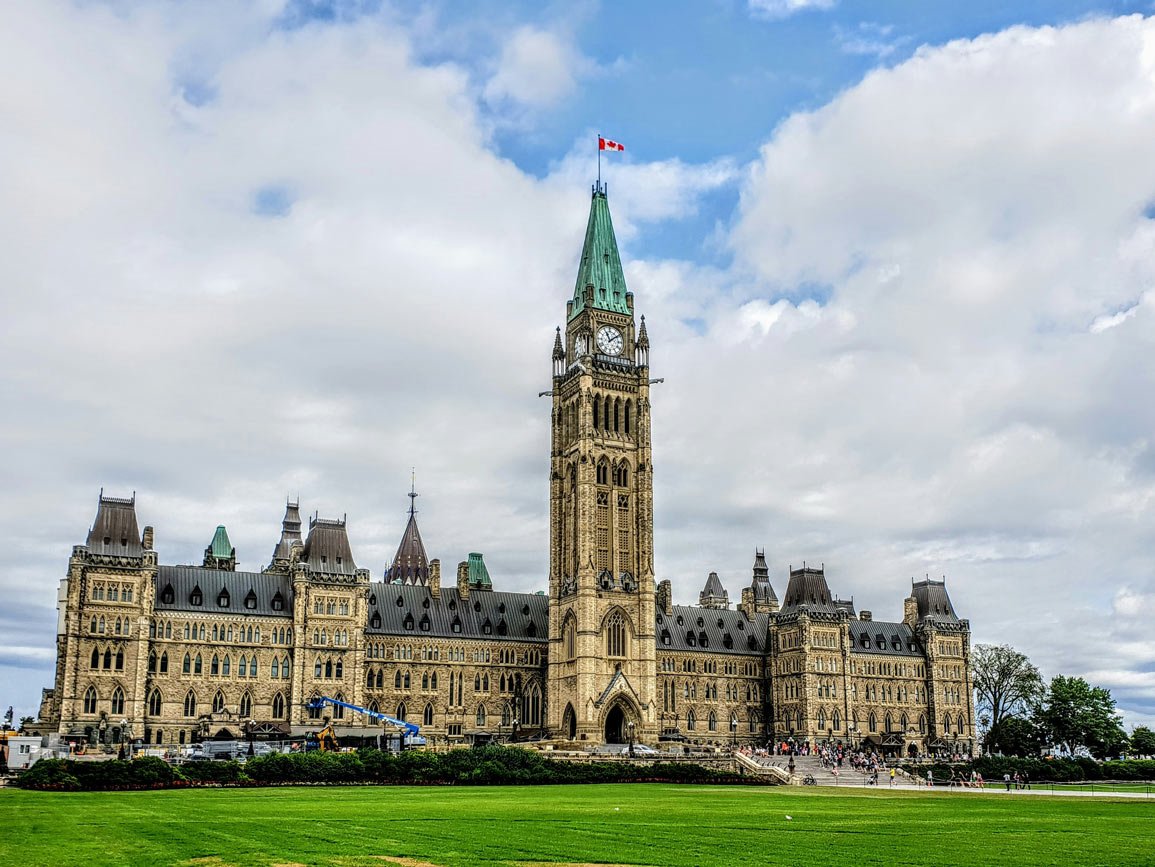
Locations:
column 599, row 161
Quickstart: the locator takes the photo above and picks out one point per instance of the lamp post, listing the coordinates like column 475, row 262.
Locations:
column 630, row 731
column 515, row 724
column 733, row 733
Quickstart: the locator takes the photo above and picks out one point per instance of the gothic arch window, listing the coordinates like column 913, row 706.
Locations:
column 108, row 659
column 380, row 679
column 712, row 722
column 433, row 681
column 278, row 706
column 427, row 716
column 397, row 679
column 94, row 662
column 626, row 427
column 903, row 722
column 617, row 414
column 215, row 665
column 246, row 707
column 691, row 720
column 481, row 716
column 836, row 721
column 821, row 718
column 373, row 706
column 317, row 667
column 889, row 724
column 401, row 711
column 339, row 669
column 338, row 711
column 100, row 628
column 225, row 666
column 151, row 661
column 253, row 666
column 313, row 707
column 190, row 704
column 328, row 669
column 90, row 700
column 569, row 635
column 164, row 663
column 616, row 635
column 603, row 472
column 275, row 668
column 198, row 663
column 218, row 702
column 946, row 724
column 872, row 723
column 597, row 412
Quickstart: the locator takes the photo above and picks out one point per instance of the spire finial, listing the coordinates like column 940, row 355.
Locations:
column 412, row 492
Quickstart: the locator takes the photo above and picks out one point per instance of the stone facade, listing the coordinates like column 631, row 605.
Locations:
column 173, row 654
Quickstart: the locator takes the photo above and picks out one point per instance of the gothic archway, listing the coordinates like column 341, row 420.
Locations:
column 569, row 722
column 615, row 732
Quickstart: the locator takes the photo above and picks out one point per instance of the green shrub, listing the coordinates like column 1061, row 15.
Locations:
column 49, row 775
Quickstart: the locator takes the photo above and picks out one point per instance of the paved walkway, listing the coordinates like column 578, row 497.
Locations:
column 850, row 778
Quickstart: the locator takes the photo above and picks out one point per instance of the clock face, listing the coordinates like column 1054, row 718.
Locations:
column 610, row 340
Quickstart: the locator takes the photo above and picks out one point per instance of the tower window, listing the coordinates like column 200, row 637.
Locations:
column 616, row 635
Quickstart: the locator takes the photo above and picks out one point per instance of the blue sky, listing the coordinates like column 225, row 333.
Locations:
column 897, row 262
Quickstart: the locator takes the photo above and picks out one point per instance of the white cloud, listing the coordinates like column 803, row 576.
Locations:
column 972, row 210
column 537, row 68
column 786, row 8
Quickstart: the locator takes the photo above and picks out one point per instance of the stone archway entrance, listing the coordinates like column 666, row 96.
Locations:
column 569, row 722
column 615, row 732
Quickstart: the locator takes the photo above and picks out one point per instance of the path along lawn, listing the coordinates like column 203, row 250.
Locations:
column 610, row 824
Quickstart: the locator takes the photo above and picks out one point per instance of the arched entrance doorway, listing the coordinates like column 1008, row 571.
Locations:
column 569, row 722
column 616, row 725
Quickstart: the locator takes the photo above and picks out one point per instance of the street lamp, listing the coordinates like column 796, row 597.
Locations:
column 630, row 731
column 515, row 723
column 733, row 733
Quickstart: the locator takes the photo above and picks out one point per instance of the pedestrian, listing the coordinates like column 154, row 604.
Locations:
column 929, row 779
column 1007, row 781
column 892, row 778
column 1018, row 780
column 1026, row 780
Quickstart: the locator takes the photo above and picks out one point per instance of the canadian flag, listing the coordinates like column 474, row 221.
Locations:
column 604, row 144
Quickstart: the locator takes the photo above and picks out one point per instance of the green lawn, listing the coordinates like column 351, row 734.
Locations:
column 609, row 824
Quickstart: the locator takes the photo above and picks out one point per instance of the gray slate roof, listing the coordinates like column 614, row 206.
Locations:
column 808, row 587
column 746, row 636
column 933, row 601
column 891, row 639
column 185, row 579
column 116, row 522
column 327, row 549
column 522, row 616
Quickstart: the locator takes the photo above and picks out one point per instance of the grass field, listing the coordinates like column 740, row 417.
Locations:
column 611, row 824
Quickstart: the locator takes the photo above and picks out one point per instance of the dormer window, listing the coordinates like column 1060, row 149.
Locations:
column 223, row 599
column 531, row 631
column 400, row 602
column 703, row 640
column 196, row 597
column 487, row 627
column 166, row 595
column 408, row 623
column 425, row 623
column 666, row 637
column 251, row 600
column 278, row 603
column 502, row 629
column 375, row 621
column 727, row 641
column 457, row 625
column 691, row 639
column 107, row 540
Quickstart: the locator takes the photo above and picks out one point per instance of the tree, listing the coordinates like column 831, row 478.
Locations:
column 1015, row 736
column 1077, row 715
column 1006, row 683
column 25, row 722
column 1143, row 741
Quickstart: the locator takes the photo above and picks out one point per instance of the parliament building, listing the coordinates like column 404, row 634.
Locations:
column 172, row 654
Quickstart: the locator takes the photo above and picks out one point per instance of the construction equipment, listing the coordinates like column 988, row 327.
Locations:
column 409, row 735
column 325, row 740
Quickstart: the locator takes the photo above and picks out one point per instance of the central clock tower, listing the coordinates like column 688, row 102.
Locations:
column 601, row 585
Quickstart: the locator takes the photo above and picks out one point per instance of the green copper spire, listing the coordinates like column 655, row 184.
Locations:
column 221, row 546
column 601, row 266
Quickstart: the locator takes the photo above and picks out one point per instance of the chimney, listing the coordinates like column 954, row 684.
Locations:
column 435, row 579
column 146, row 539
column 665, row 600
column 463, row 579
column 864, row 616
column 910, row 611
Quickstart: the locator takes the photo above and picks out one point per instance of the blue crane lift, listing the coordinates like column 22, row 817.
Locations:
column 409, row 735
